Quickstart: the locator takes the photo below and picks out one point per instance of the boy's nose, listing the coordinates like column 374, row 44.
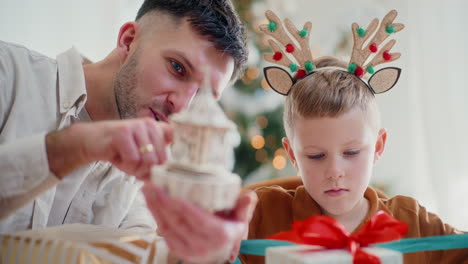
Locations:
column 181, row 97
column 335, row 175
column 334, row 170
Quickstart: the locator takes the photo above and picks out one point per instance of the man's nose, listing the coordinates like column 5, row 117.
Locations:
column 182, row 96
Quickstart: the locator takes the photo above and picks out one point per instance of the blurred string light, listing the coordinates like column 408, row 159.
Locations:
column 279, row 162
column 246, row 80
column 280, row 152
column 270, row 141
column 262, row 121
column 258, row 142
column 252, row 73
column 265, row 84
column 261, row 155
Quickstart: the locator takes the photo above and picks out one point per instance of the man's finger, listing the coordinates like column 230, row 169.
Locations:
column 151, row 201
column 156, row 135
column 168, row 132
column 171, row 212
column 235, row 251
column 245, row 206
column 157, row 207
column 127, row 152
column 202, row 223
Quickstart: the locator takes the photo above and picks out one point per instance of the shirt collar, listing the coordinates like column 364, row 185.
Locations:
column 71, row 81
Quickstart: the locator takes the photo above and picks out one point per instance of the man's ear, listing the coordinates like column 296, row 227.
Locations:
column 290, row 151
column 380, row 144
column 127, row 36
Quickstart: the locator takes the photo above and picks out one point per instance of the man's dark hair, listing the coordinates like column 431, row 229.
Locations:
column 215, row 19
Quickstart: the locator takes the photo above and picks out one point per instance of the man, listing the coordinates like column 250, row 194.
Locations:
column 58, row 167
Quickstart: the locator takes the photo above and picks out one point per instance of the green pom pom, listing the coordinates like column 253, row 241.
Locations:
column 309, row 66
column 361, row 32
column 370, row 69
column 390, row 29
column 293, row 67
column 272, row 26
column 303, row 33
column 352, row 67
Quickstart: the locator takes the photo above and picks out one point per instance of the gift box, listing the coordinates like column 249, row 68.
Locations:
column 325, row 240
column 78, row 243
column 306, row 254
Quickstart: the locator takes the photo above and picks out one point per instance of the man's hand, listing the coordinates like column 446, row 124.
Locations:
column 133, row 146
column 195, row 235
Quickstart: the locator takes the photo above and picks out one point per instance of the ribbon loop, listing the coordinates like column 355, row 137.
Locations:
column 325, row 231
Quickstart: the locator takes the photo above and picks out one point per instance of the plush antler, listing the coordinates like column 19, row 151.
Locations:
column 361, row 54
column 380, row 81
column 302, row 53
column 279, row 79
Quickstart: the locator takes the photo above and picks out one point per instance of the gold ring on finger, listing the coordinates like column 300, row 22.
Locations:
column 147, row 148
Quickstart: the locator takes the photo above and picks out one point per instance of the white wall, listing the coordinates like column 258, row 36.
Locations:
column 53, row 26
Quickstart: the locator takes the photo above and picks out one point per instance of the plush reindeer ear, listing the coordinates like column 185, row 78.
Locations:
column 384, row 79
column 278, row 79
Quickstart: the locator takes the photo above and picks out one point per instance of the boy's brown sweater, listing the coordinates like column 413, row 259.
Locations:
column 277, row 208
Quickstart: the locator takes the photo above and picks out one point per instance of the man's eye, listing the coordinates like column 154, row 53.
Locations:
column 178, row 68
column 351, row 153
column 318, row 156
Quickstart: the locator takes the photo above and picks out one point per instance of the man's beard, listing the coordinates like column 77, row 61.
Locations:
column 125, row 82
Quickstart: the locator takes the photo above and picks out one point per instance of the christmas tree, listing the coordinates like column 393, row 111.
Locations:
column 256, row 110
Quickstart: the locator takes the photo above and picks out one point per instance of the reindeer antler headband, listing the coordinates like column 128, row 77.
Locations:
column 381, row 81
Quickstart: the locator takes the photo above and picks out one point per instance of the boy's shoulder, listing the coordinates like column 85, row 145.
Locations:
column 274, row 194
column 401, row 202
column 402, row 207
column 421, row 222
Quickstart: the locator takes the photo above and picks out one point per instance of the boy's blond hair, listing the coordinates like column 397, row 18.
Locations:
column 328, row 93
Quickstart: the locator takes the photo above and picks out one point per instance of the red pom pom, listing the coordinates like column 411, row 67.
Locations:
column 359, row 72
column 301, row 73
column 277, row 56
column 289, row 48
column 373, row 48
column 387, row 56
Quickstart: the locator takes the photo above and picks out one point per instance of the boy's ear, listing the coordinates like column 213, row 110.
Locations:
column 289, row 151
column 278, row 79
column 380, row 144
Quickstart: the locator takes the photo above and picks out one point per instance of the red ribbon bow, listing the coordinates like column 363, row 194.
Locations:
column 325, row 231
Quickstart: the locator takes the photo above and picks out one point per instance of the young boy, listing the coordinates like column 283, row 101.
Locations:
column 334, row 138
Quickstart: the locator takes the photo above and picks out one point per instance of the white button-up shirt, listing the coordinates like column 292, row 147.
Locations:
column 38, row 95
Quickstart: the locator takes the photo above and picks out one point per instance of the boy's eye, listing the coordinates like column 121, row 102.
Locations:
column 178, row 67
column 351, row 153
column 318, row 156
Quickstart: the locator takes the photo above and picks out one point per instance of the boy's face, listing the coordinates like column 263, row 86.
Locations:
column 334, row 157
